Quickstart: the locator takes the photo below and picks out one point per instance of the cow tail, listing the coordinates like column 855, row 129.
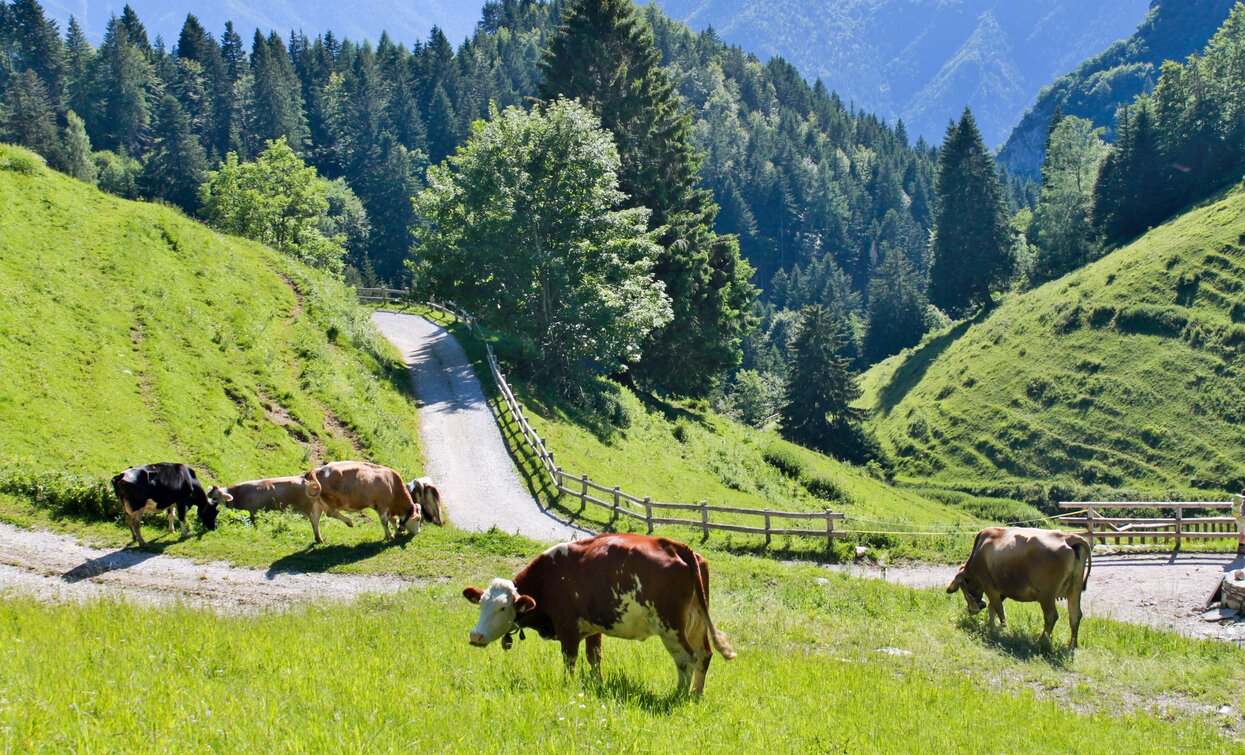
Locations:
column 1079, row 544
column 719, row 638
column 436, row 497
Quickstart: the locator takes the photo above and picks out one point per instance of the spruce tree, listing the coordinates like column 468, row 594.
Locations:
column 972, row 238
column 38, row 47
column 79, row 61
column 821, row 386
column 119, row 118
column 897, row 307
column 176, row 166
column 604, row 55
column 275, row 102
column 31, row 117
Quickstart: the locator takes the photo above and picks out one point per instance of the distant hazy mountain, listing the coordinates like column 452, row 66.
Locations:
column 924, row 60
column 1173, row 30
column 406, row 20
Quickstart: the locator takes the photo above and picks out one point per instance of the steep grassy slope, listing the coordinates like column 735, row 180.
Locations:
column 130, row 334
column 1127, row 373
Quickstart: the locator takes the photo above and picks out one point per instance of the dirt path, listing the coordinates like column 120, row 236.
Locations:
column 464, row 450
column 1157, row 589
column 56, row 567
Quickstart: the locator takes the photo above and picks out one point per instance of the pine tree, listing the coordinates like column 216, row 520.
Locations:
column 604, row 55
column 79, row 61
column 972, row 238
column 817, row 406
column 275, row 100
column 210, row 117
column 176, row 166
column 31, row 118
column 76, row 149
column 119, row 117
column 38, row 47
column 897, row 307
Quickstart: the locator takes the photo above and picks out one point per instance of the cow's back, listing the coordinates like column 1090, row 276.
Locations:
column 1025, row 564
column 358, row 485
column 275, row 493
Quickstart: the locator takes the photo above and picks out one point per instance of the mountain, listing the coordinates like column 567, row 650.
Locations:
column 354, row 19
column 1123, row 374
column 923, row 60
column 1172, row 30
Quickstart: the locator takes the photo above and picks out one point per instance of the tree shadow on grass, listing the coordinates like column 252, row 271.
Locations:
column 621, row 688
column 913, row 369
column 321, row 558
column 1020, row 644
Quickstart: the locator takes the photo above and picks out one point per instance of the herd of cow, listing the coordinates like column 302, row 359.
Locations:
column 621, row 585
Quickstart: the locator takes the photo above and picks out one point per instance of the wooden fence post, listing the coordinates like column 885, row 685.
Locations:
column 1089, row 523
column 614, row 517
column 583, row 494
column 829, row 529
column 1238, row 512
column 704, row 520
column 1179, row 517
column 648, row 513
column 767, row 532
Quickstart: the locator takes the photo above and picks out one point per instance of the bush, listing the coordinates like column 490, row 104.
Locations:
column 62, row 493
column 784, row 460
column 20, row 160
column 1151, row 320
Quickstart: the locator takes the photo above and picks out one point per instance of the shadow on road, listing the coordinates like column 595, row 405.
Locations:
column 118, row 560
column 320, row 558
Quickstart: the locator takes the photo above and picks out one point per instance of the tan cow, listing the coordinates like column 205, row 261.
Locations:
column 1026, row 565
column 348, row 486
column 424, row 493
column 273, row 494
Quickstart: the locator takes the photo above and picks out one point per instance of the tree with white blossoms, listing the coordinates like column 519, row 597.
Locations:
column 523, row 226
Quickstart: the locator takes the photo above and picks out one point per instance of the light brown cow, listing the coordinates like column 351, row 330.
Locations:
column 1026, row 565
column 426, row 495
column 357, row 486
column 273, row 494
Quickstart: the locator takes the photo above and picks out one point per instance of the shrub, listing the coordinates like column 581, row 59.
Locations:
column 1151, row 320
column 20, row 160
column 784, row 460
column 62, row 493
column 823, row 487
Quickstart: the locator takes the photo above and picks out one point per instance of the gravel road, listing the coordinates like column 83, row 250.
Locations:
column 464, row 451
column 57, row 568
column 1157, row 589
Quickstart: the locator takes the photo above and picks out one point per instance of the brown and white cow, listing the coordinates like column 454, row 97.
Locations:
column 627, row 586
column 273, row 494
column 1026, row 565
column 428, row 498
column 348, row 486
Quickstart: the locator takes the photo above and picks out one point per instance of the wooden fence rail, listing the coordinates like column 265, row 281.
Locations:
column 1178, row 527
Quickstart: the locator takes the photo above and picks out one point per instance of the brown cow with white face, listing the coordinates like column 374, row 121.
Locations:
column 627, row 586
column 357, row 486
column 1026, row 565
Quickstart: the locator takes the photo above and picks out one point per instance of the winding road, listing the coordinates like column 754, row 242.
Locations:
column 464, row 452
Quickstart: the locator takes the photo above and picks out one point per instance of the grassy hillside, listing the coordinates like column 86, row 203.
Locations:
column 131, row 334
column 826, row 663
column 1129, row 373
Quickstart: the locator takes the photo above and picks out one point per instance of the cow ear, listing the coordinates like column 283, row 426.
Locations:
column 473, row 594
column 524, row 604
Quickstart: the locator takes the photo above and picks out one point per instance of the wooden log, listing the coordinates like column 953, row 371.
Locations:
column 704, row 519
column 648, row 514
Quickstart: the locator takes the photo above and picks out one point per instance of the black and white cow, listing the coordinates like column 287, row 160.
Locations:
column 162, row 487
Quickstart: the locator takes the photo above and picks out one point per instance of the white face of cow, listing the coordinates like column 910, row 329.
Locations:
column 500, row 606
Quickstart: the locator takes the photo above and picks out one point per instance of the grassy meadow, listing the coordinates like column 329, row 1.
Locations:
column 827, row 663
column 1125, row 376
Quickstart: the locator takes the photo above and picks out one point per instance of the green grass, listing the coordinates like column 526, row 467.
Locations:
column 1123, row 378
column 812, row 675
column 130, row 334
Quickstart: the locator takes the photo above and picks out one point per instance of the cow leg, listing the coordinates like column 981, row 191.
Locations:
column 996, row 609
column 339, row 516
column 314, row 516
column 254, row 521
column 182, row 512
column 592, row 644
column 384, row 522
column 1051, row 615
column 683, row 660
column 135, row 520
column 570, row 652
column 1074, row 614
column 170, row 510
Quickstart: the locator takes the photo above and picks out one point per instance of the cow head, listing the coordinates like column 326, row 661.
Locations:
column 971, row 589
column 219, row 496
column 500, row 608
column 411, row 520
column 207, row 514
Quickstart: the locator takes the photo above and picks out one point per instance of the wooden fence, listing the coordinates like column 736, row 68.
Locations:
column 646, row 509
column 382, row 295
column 1177, row 527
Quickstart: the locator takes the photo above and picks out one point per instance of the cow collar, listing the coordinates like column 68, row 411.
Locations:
column 507, row 641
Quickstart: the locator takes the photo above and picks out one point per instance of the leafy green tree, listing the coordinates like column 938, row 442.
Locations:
column 1061, row 228
column 605, row 56
column 76, row 149
column 821, row 386
column 117, row 173
column 972, row 239
column 897, row 307
column 276, row 200
column 176, row 165
column 754, row 395
column 523, row 226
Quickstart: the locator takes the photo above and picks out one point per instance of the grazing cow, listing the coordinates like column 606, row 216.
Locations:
column 358, row 486
column 162, row 487
column 627, row 586
column 1026, row 565
column 424, row 493
column 274, row 494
